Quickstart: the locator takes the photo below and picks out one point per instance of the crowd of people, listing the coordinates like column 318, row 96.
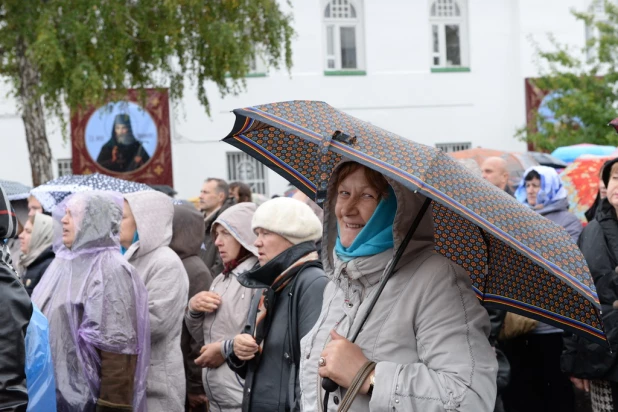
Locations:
column 154, row 305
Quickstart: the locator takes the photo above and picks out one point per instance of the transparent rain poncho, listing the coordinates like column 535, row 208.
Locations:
column 94, row 301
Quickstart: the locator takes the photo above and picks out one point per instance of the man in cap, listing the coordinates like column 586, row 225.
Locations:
column 122, row 152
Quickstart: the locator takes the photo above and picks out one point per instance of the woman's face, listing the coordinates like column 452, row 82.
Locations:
column 228, row 246
column 128, row 227
column 34, row 206
column 602, row 190
column 68, row 229
column 269, row 245
column 533, row 187
column 356, row 202
column 24, row 237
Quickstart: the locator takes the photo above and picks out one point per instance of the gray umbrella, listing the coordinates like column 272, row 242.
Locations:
column 53, row 192
column 15, row 190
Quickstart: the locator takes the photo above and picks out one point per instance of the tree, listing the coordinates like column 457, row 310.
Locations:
column 60, row 55
column 584, row 87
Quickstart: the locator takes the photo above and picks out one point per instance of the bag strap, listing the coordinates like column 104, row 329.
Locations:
column 355, row 387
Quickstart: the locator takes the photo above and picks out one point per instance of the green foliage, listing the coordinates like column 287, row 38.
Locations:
column 586, row 86
column 83, row 49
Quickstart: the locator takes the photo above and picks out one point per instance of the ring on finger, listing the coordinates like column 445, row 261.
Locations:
column 322, row 362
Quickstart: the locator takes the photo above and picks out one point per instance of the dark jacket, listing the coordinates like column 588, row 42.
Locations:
column 271, row 382
column 35, row 271
column 188, row 229
column 14, row 318
column 210, row 254
column 599, row 244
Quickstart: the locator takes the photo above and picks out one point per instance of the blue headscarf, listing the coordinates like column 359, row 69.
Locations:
column 551, row 191
column 376, row 236
column 135, row 239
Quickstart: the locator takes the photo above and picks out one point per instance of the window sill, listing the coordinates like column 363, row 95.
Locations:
column 450, row 69
column 249, row 75
column 345, row 73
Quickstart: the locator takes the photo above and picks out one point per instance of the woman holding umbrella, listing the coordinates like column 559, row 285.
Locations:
column 424, row 345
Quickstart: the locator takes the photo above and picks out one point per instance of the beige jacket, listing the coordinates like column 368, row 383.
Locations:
column 427, row 332
column 223, row 387
column 168, row 286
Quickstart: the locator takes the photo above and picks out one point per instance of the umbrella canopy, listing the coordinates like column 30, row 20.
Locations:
column 516, row 163
column 15, row 190
column 516, row 259
column 581, row 181
column 53, row 192
column 548, row 160
column 568, row 154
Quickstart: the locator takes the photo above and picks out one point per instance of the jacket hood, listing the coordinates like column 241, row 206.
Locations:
column 153, row 212
column 96, row 218
column 408, row 206
column 237, row 220
column 188, row 231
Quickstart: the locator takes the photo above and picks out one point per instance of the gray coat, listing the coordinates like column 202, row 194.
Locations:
column 168, row 286
column 223, row 387
column 427, row 332
column 558, row 212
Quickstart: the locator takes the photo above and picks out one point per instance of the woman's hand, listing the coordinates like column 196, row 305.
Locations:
column 343, row 359
column 205, row 302
column 245, row 347
column 211, row 356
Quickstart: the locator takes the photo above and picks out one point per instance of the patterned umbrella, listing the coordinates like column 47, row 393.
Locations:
column 54, row 191
column 581, row 180
column 15, row 190
column 516, row 259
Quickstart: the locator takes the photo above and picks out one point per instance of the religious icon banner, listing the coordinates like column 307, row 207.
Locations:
column 127, row 138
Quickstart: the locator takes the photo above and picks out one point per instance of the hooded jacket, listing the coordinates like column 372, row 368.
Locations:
column 14, row 320
column 223, row 387
column 210, row 254
column 168, row 286
column 599, row 244
column 188, row 228
column 427, row 332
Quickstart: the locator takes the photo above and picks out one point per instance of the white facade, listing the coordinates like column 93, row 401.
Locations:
column 399, row 91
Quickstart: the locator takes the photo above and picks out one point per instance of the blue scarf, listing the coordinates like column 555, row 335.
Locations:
column 135, row 239
column 376, row 236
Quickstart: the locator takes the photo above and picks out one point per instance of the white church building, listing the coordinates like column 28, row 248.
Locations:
column 446, row 73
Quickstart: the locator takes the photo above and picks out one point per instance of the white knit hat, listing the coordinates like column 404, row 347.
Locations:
column 289, row 218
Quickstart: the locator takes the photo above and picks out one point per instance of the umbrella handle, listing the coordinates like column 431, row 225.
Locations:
column 328, row 384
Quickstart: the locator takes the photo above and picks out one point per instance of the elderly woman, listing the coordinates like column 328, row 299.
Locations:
column 537, row 381
column 36, row 248
column 216, row 316
column 268, row 354
column 97, row 309
column 427, row 333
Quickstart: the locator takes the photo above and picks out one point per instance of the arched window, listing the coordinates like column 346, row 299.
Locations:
column 449, row 33
column 343, row 35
